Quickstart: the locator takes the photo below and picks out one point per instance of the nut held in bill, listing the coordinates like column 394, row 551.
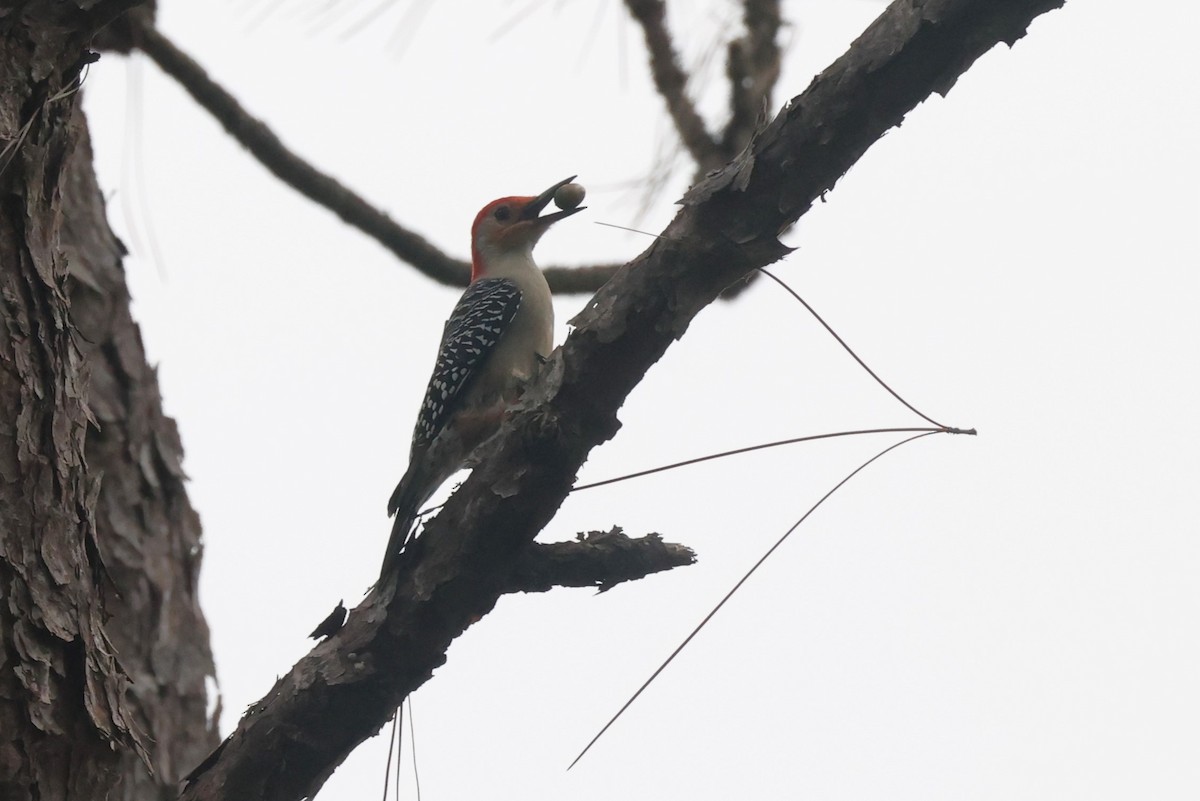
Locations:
column 569, row 196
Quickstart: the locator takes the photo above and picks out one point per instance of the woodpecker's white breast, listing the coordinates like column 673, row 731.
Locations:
column 528, row 336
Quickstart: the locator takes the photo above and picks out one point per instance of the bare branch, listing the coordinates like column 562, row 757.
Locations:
column 579, row 280
column 346, row 688
column 101, row 13
column 753, row 68
column 319, row 187
column 325, row 190
column 671, row 82
column 600, row 559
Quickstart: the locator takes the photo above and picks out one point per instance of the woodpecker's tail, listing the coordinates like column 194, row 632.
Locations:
column 404, row 504
column 401, row 533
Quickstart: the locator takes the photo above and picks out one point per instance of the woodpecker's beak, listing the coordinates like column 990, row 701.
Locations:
column 535, row 206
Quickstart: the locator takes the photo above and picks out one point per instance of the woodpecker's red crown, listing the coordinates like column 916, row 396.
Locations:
column 512, row 224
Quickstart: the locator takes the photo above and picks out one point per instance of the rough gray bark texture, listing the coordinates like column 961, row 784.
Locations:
column 149, row 535
column 94, row 687
column 63, row 711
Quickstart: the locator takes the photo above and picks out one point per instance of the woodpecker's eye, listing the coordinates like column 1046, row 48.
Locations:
column 502, row 213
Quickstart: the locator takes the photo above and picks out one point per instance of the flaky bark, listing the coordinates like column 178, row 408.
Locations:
column 347, row 687
column 95, row 688
column 63, row 711
column 149, row 534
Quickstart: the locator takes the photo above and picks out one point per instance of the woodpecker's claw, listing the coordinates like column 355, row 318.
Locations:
column 535, row 206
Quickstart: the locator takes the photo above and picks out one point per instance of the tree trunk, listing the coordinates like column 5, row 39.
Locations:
column 104, row 651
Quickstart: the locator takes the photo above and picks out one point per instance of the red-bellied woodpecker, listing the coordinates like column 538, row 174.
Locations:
column 501, row 328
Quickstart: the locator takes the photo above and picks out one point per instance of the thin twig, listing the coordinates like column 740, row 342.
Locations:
column 861, row 363
column 412, row 746
column 400, row 743
column 387, row 770
column 671, row 82
column 736, row 587
column 774, row 444
column 323, row 189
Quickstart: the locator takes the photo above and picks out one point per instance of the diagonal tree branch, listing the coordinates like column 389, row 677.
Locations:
column 346, row 688
column 671, row 82
column 324, row 189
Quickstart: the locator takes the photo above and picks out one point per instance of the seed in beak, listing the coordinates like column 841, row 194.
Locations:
column 569, row 196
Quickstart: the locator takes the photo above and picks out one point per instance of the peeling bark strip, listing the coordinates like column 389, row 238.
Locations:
column 148, row 533
column 71, row 723
column 348, row 686
column 63, row 713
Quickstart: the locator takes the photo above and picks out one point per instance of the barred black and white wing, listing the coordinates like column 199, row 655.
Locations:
column 484, row 312
column 481, row 317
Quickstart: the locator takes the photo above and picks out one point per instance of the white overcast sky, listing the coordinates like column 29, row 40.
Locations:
column 1014, row 616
